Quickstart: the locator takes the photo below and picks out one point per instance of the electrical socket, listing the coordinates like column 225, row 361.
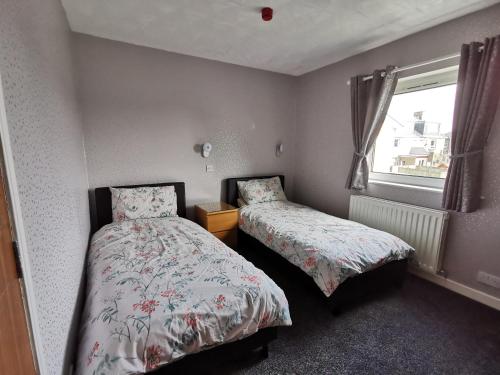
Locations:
column 488, row 279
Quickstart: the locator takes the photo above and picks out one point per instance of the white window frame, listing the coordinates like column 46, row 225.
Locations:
column 406, row 181
column 428, row 80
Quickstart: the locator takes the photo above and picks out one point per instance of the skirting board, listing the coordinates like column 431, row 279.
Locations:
column 462, row 289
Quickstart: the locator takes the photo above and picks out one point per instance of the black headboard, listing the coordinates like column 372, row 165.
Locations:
column 100, row 203
column 232, row 186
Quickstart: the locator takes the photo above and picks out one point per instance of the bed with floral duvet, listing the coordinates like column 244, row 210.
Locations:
column 160, row 289
column 325, row 247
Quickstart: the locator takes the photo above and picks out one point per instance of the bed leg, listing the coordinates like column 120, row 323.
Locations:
column 399, row 284
column 264, row 352
column 399, row 281
column 336, row 310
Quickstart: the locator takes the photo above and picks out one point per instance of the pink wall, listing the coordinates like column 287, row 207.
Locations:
column 145, row 110
column 324, row 145
column 45, row 130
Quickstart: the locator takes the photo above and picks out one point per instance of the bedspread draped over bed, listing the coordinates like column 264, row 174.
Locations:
column 327, row 248
column 159, row 289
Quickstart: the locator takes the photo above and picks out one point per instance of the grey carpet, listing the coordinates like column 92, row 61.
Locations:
column 418, row 329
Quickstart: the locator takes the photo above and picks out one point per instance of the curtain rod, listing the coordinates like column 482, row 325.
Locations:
column 418, row 65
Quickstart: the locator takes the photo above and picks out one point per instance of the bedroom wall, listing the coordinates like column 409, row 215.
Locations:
column 146, row 109
column 324, row 148
column 47, row 142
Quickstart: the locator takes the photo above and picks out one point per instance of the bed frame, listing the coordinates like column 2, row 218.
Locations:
column 347, row 293
column 101, row 214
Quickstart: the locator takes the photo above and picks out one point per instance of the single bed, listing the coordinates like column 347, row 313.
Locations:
column 345, row 259
column 163, row 290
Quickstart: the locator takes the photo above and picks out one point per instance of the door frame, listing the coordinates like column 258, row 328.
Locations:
column 12, row 196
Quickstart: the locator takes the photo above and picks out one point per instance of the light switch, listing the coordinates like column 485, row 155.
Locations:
column 210, row 168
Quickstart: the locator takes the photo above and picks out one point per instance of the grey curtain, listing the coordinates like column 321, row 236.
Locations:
column 370, row 101
column 478, row 91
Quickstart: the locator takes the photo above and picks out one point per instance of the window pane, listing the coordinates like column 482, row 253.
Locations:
column 415, row 137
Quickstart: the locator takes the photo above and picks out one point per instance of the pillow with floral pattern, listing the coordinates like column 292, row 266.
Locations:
column 143, row 202
column 261, row 190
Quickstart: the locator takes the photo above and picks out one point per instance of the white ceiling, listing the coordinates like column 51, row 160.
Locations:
column 303, row 36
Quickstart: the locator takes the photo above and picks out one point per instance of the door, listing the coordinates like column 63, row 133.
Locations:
column 15, row 348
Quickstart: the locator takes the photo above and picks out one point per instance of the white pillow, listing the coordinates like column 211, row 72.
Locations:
column 261, row 190
column 143, row 202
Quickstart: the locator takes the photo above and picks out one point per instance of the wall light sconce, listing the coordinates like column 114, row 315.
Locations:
column 279, row 149
column 205, row 150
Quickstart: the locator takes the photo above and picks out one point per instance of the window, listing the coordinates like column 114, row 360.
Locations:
column 413, row 147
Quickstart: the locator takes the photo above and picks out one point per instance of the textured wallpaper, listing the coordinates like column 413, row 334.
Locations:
column 325, row 141
column 145, row 111
column 45, row 128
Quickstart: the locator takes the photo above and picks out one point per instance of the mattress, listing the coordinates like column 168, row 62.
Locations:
column 160, row 289
column 327, row 248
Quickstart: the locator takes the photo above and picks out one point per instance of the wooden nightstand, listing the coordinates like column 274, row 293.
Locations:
column 220, row 219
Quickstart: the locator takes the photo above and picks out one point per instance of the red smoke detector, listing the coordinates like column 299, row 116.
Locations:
column 267, row 14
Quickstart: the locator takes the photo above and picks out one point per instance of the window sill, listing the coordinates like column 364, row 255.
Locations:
column 407, row 186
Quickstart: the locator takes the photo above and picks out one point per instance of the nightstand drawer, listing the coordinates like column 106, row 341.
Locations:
column 221, row 222
column 220, row 219
column 229, row 237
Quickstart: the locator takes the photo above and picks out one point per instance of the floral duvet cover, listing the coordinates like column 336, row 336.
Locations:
column 159, row 289
column 327, row 248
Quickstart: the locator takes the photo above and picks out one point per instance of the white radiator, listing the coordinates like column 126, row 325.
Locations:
column 422, row 228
